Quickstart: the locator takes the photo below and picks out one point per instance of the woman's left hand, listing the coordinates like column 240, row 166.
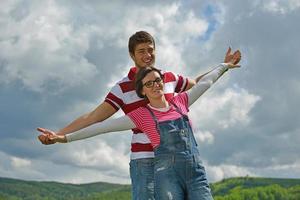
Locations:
column 232, row 60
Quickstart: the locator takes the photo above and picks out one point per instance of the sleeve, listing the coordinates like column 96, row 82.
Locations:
column 205, row 83
column 181, row 83
column 136, row 118
column 114, row 97
column 109, row 125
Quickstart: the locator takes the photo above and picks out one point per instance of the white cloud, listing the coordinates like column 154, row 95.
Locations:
column 217, row 173
column 46, row 51
column 85, row 175
column 96, row 154
column 47, row 170
column 20, row 162
column 16, row 167
column 280, row 6
column 204, row 137
column 6, row 7
column 172, row 29
column 293, row 166
column 223, row 109
column 43, row 48
column 75, row 110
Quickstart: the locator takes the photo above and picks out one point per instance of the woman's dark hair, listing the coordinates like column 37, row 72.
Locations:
column 138, row 38
column 139, row 79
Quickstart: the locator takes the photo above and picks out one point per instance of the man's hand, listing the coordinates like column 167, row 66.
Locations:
column 46, row 135
column 232, row 59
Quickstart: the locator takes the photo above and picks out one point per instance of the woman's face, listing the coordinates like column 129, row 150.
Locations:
column 152, row 86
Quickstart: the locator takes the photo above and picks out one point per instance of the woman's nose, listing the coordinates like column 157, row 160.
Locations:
column 156, row 84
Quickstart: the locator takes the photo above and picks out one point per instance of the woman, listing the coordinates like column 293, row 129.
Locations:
column 179, row 173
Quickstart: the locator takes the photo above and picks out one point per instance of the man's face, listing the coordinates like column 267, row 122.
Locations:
column 144, row 55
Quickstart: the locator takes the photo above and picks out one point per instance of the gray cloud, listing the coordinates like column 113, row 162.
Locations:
column 269, row 42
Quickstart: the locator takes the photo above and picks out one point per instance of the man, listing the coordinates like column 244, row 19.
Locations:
column 122, row 95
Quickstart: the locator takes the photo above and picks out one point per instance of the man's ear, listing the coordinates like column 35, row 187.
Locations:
column 132, row 56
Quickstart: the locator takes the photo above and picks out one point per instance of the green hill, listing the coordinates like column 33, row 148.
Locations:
column 247, row 188
column 13, row 189
column 250, row 188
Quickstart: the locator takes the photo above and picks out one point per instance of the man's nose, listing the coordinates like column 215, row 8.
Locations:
column 148, row 55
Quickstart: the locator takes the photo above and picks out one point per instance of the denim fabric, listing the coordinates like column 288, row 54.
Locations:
column 180, row 177
column 142, row 178
column 178, row 170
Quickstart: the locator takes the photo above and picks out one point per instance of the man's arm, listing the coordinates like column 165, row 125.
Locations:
column 236, row 56
column 192, row 82
column 102, row 112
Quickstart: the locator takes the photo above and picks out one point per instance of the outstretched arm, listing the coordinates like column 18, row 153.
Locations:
column 229, row 57
column 109, row 125
column 205, row 83
column 211, row 77
column 102, row 112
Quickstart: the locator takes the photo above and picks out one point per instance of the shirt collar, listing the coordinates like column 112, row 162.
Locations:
column 165, row 109
column 132, row 72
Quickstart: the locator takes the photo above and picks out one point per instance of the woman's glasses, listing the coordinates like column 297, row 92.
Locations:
column 150, row 84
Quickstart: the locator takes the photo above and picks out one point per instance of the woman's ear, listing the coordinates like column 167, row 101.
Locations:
column 143, row 93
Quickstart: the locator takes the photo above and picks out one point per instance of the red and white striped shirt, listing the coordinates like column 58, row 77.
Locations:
column 147, row 123
column 123, row 96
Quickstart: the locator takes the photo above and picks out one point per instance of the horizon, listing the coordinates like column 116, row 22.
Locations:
column 87, row 183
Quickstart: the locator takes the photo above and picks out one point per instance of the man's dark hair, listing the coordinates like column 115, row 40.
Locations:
column 138, row 38
column 139, row 79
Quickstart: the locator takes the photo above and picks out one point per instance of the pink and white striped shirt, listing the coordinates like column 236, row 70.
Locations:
column 123, row 96
column 143, row 120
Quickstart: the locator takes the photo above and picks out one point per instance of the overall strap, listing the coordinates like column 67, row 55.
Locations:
column 177, row 109
column 154, row 117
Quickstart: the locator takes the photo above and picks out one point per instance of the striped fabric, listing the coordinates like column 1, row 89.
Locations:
column 123, row 96
column 147, row 124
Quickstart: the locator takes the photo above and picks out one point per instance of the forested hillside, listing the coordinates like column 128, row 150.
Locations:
column 257, row 189
column 247, row 188
column 12, row 189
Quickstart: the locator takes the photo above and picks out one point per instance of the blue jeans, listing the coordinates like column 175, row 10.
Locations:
column 180, row 177
column 142, row 178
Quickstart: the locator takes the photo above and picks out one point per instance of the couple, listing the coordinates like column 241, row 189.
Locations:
column 164, row 126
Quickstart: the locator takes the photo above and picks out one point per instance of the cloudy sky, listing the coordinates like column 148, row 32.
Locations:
column 58, row 60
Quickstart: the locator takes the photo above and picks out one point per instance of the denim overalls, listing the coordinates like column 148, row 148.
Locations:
column 178, row 170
